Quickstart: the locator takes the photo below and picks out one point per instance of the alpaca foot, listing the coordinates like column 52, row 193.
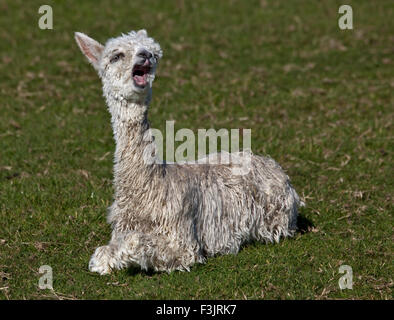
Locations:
column 99, row 262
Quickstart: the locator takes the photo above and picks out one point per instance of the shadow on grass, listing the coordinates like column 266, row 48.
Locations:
column 304, row 225
column 134, row 270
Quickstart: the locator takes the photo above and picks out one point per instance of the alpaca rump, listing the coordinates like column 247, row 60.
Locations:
column 168, row 216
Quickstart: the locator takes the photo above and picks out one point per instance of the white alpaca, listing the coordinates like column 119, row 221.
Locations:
column 169, row 216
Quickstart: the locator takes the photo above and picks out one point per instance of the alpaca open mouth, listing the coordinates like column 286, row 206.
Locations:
column 140, row 74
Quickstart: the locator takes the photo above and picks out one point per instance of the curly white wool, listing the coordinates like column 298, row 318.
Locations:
column 169, row 216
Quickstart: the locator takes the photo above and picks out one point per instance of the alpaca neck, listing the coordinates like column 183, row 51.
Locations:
column 134, row 142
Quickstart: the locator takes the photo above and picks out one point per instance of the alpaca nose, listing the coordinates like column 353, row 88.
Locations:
column 145, row 54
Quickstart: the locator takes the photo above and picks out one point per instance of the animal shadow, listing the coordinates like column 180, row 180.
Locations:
column 134, row 270
column 304, row 225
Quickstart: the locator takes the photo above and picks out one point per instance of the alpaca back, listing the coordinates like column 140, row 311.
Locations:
column 222, row 210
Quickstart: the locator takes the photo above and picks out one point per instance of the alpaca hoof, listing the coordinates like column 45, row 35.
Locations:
column 99, row 262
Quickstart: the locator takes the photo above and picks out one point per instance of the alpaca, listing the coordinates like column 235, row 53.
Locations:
column 169, row 216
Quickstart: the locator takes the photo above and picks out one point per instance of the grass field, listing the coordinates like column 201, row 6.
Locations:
column 318, row 99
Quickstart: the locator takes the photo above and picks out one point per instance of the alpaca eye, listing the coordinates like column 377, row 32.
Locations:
column 116, row 57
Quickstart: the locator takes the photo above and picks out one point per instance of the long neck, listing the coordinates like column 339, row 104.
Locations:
column 134, row 172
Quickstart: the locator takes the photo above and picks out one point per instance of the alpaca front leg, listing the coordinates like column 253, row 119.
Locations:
column 146, row 250
column 100, row 260
column 111, row 256
column 124, row 249
column 157, row 252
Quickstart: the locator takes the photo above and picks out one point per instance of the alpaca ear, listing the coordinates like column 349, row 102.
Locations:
column 90, row 48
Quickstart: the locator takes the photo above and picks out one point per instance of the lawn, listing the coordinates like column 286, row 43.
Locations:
column 318, row 99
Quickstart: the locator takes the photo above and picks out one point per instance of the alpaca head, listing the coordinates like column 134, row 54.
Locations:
column 126, row 64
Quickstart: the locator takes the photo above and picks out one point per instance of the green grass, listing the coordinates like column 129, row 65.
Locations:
column 318, row 100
